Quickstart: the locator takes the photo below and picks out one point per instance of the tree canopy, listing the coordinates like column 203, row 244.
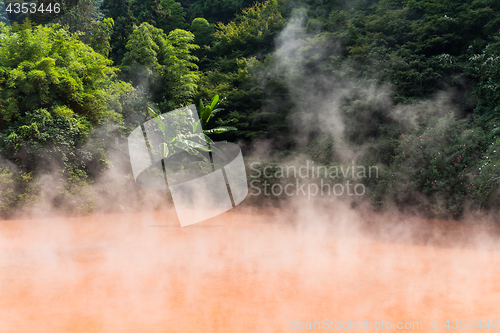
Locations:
column 304, row 76
column 162, row 64
column 54, row 90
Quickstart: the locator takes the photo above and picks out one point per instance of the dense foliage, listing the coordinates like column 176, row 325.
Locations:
column 410, row 86
column 54, row 91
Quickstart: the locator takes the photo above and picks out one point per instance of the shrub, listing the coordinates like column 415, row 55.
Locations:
column 438, row 162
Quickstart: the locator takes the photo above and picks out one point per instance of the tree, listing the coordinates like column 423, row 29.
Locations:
column 231, row 61
column 215, row 10
column 203, row 31
column 54, row 90
column 99, row 37
column 179, row 70
column 436, row 161
column 162, row 64
column 146, row 45
column 163, row 14
column 121, row 13
column 252, row 33
column 78, row 15
column 485, row 69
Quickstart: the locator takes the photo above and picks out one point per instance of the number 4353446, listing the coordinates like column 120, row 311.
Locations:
column 470, row 324
column 16, row 8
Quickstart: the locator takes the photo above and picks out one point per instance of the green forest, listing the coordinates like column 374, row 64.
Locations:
column 409, row 86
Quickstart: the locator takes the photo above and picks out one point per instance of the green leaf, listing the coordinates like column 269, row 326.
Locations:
column 214, row 102
column 219, row 130
column 195, row 126
column 193, row 144
column 201, row 109
column 160, row 124
column 200, row 136
column 182, row 144
column 207, row 139
column 164, row 149
column 152, row 113
column 214, row 112
column 206, row 114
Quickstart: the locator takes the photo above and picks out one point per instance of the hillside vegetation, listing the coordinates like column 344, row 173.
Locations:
column 409, row 86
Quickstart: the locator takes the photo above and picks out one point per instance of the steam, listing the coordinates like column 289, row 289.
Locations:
column 245, row 270
column 314, row 92
column 319, row 94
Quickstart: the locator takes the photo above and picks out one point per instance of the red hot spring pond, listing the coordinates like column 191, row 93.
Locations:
column 248, row 270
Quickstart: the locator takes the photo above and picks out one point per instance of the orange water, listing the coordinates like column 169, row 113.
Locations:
column 245, row 271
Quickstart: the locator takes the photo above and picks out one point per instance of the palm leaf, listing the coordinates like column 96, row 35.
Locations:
column 152, row 113
column 214, row 112
column 157, row 118
column 191, row 136
column 219, row 130
column 181, row 144
column 192, row 144
column 201, row 109
column 207, row 139
column 161, row 125
column 214, row 102
column 184, row 146
column 164, row 149
column 195, row 126
column 206, row 114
